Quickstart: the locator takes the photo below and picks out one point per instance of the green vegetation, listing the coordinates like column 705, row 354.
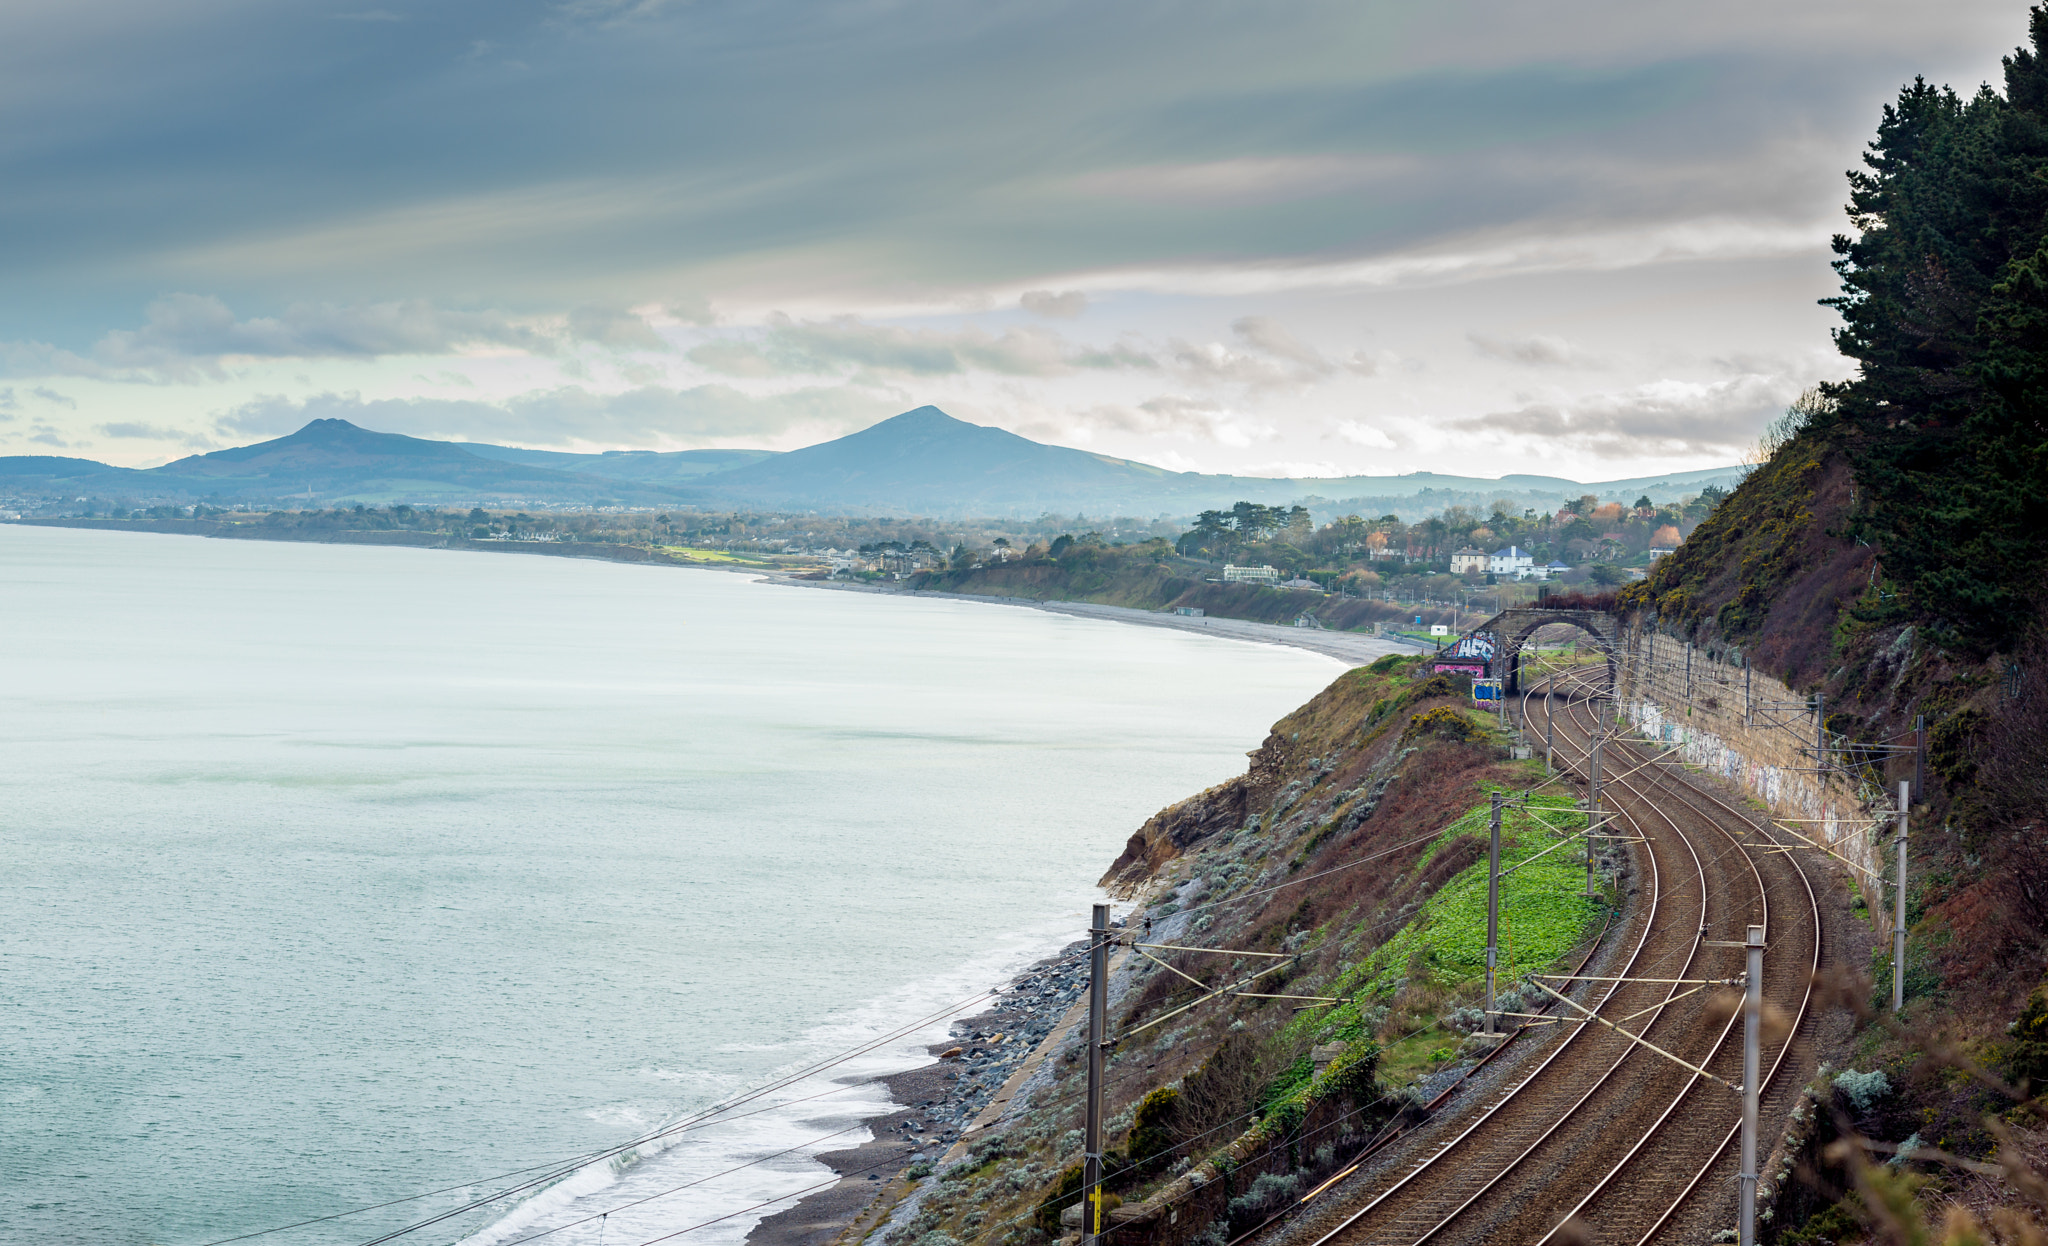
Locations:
column 1544, row 910
column 1945, row 309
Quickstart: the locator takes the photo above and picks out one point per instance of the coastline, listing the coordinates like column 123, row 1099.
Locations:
column 1350, row 648
column 966, row 1083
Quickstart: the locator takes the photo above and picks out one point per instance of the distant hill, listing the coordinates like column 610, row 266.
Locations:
column 927, row 462
column 922, row 462
column 335, row 461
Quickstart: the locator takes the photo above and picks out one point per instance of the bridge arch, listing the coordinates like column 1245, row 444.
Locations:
column 1516, row 627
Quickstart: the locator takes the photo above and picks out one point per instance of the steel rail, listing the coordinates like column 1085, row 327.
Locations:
column 1671, row 994
column 1693, row 797
column 1489, row 1114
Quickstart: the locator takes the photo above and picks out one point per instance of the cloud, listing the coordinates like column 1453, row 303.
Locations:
column 612, row 327
column 370, row 15
column 190, row 337
column 1169, row 415
column 1268, row 356
column 1538, row 351
column 1063, row 306
column 1359, row 433
column 1660, row 417
column 137, row 431
column 7, row 401
column 571, row 415
column 1241, row 182
column 187, row 337
column 52, row 396
column 826, row 347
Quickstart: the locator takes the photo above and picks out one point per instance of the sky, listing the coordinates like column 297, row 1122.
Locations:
column 1579, row 237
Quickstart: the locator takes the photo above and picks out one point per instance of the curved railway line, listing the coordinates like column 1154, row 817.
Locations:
column 1591, row 1127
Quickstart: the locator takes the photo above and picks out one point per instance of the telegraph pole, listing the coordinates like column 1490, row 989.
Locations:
column 1752, row 1026
column 1899, row 910
column 1098, row 1010
column 1492, row 909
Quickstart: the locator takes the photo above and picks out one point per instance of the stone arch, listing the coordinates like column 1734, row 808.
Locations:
column 1515, row 627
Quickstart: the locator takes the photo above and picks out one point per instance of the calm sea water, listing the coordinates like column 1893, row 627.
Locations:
column 335, row 875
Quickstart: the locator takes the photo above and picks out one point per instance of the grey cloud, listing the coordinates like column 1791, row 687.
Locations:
column 880, row 145
column 814, row 348
column 1537, row 350
column 612, row 327
column 187, row 337
column 1658, row 418
column 50, row 395
column 7, row 402
column 572, row 415
column 1178, row 415
column 1267, row 334
column 138, row 431
column 1063, row 306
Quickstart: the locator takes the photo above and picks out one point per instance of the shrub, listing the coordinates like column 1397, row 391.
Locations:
column 1152, row 1133
column 1270, row 1190
column 2028, row 1057
column 1863, row 1090
column 1443, row 723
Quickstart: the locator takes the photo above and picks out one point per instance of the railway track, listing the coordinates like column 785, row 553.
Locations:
column 1594, row 1127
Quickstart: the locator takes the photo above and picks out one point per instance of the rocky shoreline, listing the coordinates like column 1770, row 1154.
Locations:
column 980, row 1057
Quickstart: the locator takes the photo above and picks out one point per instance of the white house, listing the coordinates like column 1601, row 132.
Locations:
column 1250, row 575
column 1514, row 561
column 1468, row 559
column 1555, row 569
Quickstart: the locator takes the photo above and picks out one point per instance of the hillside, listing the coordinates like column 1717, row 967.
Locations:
column 1888, row 558
column 1382, row 767
column 334, row 459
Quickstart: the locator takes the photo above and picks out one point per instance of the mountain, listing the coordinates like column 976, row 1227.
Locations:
column 927, row 462
column 921, row 462
column 334, row 460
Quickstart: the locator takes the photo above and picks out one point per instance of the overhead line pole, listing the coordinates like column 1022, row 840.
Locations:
column 1492, row 909
column 1899, row 910
column 1098, row 1015
column 1752, row 1061
column 1593, row 799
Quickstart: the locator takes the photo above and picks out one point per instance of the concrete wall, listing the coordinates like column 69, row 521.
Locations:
column 1749, row 728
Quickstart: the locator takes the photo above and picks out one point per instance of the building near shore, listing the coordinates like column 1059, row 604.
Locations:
column 1233, row 574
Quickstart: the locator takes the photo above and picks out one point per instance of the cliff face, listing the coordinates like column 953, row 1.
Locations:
column 1318, row 761
column 1344, row 866
column 1778, row 578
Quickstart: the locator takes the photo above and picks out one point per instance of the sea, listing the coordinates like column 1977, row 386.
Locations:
column 353, row 894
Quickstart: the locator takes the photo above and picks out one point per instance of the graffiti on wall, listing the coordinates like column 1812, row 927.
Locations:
column 1480, row 645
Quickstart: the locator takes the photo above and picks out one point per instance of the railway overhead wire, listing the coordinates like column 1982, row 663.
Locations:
column 1590, row 1125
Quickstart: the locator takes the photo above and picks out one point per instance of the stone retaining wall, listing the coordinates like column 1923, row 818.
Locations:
column 1749, row 728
